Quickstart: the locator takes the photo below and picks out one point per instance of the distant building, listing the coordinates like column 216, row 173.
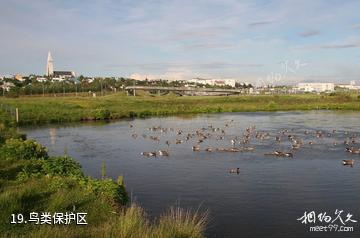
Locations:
column 351, row 86
column 225, row 82
column 89, row 80
column 41, row 79
column 50, row 72
column 64, row 74
column 316, row 87
column 214, row 82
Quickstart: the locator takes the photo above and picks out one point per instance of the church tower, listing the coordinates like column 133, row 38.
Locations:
column 49, row 66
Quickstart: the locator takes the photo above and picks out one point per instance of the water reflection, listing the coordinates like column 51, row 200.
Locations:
column 52, row 133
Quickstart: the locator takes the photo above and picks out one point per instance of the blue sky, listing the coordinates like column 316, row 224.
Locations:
column 249, row 40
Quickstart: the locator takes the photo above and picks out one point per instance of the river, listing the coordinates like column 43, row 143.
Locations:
column 264, row 200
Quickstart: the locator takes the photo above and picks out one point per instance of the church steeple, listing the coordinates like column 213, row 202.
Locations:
column 49, row 66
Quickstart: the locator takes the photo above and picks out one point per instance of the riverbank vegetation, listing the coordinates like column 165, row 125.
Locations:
column 39, row 110
column 33, row 181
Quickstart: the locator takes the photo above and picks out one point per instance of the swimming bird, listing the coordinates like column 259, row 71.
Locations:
column 318, row 134
column 281, row 154
column 163, row 153
column 248, row 148
column 196, row 148
column 155, row 138
column 233, row 150
column 353, row 150
column 348, row 162
column 149, row 154
column 288, row 154
column 234, row 171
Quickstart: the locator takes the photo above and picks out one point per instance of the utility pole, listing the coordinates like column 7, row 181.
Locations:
column 17, row 114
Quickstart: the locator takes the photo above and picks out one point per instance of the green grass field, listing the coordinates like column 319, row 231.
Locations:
column 39, row 110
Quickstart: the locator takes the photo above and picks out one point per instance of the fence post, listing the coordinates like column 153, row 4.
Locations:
column 17, row 115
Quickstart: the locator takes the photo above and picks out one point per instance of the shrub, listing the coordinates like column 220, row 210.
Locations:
column 100, row 114
column 62, row 165
column 31, row 169
column 22, row 149
column 113, row 192
column 7, row 133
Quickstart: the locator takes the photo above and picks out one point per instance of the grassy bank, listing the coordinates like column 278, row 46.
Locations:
column 38, row 110
column 32, row 181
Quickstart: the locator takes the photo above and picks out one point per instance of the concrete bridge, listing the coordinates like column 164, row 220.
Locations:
column 131, row 90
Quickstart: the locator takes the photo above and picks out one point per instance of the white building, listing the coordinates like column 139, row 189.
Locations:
column 316, row 87
column 58, row 75
column 214, row 82
column 41, row 79
column 351, row 86
column 57, row 79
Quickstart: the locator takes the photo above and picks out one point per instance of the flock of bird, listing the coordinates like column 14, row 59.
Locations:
column 245, row 142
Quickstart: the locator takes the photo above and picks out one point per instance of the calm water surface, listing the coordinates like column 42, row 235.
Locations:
column 264, row 200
